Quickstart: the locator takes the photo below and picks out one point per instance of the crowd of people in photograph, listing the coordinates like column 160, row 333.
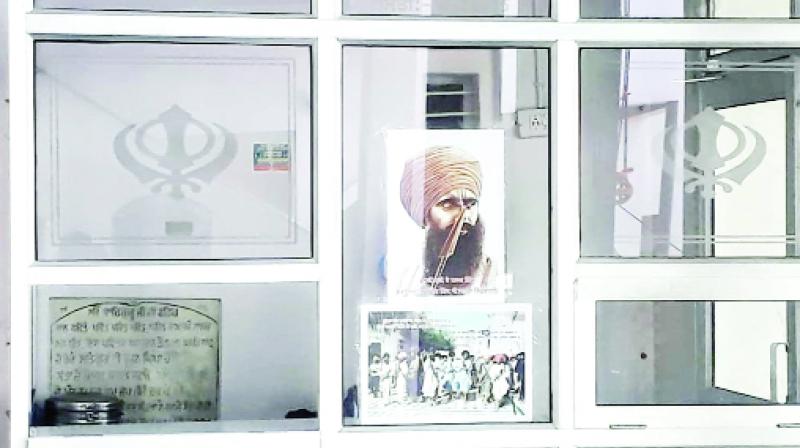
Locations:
column 443, row 377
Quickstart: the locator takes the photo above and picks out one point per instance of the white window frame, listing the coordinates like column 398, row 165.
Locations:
column 571, row 335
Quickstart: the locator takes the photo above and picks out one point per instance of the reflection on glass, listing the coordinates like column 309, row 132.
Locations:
column 172, row 151
column 689, row 8
column 163, row 358
column 684, row 153
column 433, row 155
column 693, row 352
column 449, row 8
column 244, row 6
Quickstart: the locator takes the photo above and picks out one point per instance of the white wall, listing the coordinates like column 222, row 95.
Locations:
column 624, row 332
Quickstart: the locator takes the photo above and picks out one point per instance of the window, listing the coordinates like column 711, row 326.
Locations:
column 677, row 349
column 452, row 102
column 689, row 157
column 240, row 6
column 449, row 8
column 473, row 223
column 686, row 153
column 712, row 9
column 142, row 146
column 430, row 135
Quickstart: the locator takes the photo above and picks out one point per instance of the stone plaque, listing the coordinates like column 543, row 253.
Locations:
column 160, row 356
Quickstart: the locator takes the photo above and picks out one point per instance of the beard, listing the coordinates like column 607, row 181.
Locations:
column 459, row 269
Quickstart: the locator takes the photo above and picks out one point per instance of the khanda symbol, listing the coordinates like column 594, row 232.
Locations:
column 174, row 168
column 709, row 167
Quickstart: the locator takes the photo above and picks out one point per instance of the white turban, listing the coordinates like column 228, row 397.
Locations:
column 435, row 173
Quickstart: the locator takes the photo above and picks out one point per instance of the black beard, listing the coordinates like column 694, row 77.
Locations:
column 459, row 270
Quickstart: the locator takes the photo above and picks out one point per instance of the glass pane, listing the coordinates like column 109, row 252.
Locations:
column 450, row 8
column 245, row 6
column 697, row 353
column 175, row 358
column 689, row 153
column 446, row 284
column 689, row 8
column 172, row 151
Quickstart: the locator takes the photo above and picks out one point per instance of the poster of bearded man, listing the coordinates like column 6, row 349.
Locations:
column 445, row 215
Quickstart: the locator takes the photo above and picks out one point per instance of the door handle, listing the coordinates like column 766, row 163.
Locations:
column 773, row 371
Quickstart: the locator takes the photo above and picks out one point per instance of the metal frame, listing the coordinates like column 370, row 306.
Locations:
column 572, row 320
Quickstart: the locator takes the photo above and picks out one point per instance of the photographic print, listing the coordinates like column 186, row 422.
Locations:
column 441, row 364
column 445, row 214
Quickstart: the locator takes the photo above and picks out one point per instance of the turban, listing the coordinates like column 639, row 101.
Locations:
column 435, row 173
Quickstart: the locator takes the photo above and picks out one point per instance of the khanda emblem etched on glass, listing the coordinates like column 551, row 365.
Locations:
column 175, row 167
column 710, row 167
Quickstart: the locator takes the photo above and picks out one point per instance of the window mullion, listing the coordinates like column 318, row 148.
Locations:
column 329, row 211
column 564, row 225
column 21, row 228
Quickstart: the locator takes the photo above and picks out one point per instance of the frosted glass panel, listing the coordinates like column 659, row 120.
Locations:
column 244, row 6
column 688, row 8
column 451, row 8
column 172, row 151
column 684, row 153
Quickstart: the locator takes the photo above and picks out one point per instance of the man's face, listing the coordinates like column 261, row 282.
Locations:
column 457, row 272
column 444, row 214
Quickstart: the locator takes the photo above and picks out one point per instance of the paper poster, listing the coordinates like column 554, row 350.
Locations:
column 445, row 214
column 438, row 364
